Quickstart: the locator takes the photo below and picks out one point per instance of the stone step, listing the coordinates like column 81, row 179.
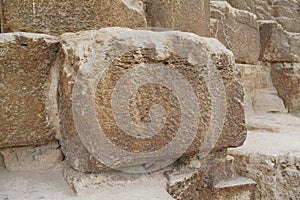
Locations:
column 235, row 188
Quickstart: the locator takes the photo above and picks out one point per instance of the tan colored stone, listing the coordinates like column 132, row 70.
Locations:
column 128, row 49
column 267, row 101
column 212, row 178
column 190, row 16
column 285, row 12
column 278, row 45
column 259, row 73
column 271, row 156
column 28, row 91
column 289, row 24
column 32, row 158
column 286, row 79
column 237, row 30
column 57, row 17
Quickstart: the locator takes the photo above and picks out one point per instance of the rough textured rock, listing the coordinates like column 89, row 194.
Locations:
column 32, row 158
column 28, row 91
column 213, row 177
column 278, row 45
column 237, row 30
column 286, row 79
column 285, row 12
column 271, row 156
column 190, row 16
column 267, row 100
column 260, row 94
column 56, row 17
column 129, row 49
column 117, row 185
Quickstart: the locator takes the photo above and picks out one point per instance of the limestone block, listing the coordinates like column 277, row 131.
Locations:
column 278, row 45
column 289, row 24
column 237, row 30
column 266, row 100
column 254, row 77
column 213, row 178
column 286, row 79
column 144, row 122
column 32, row 158
column 28, row 80
column 285, row 12
column 190, row 16
column 57, row 17
column 271, row 156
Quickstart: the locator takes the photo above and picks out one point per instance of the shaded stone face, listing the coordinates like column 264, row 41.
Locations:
column 129, row 98
column 190, row 16
column 278, row 45
column 237, row 30
column 286, row 79
column 56, row 17
column 27, row 89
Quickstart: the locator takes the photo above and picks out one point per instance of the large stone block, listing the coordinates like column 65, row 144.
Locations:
column 278, row 45
column 135, row 97
column 190, row 16
column 271, row 156
column 32, row 158
column 56, row 17
column 28, row 81
column 237, row 30
column 285, row 12
column 286, row 79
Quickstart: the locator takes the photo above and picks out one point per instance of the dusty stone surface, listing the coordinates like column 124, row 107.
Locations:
column 285, row 12
column 267, row 100
column 50, row 184
column 36, row 184
column 189, row 16
column 27, row 89
column 118, row 185
column 260, row 95
column 237, row 30
column 271, row 155
column 213, row 177
column 278, row 45
column 286, row 79
column 83, row 51
column 30, row 158
column 57, row 17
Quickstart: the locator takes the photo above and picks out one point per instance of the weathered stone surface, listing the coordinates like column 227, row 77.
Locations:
column 56, row 17
column 125, row 50
column 267, row 100
column 116, row 185
column 278, row 45
column 28, row 91
column 259, row 73
column 271, row 156
column 285, row 12
column 32, row 158
column 237, row 30
column 213, row 177
column 190, row 16
column 286, row 79
column 260, row 94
